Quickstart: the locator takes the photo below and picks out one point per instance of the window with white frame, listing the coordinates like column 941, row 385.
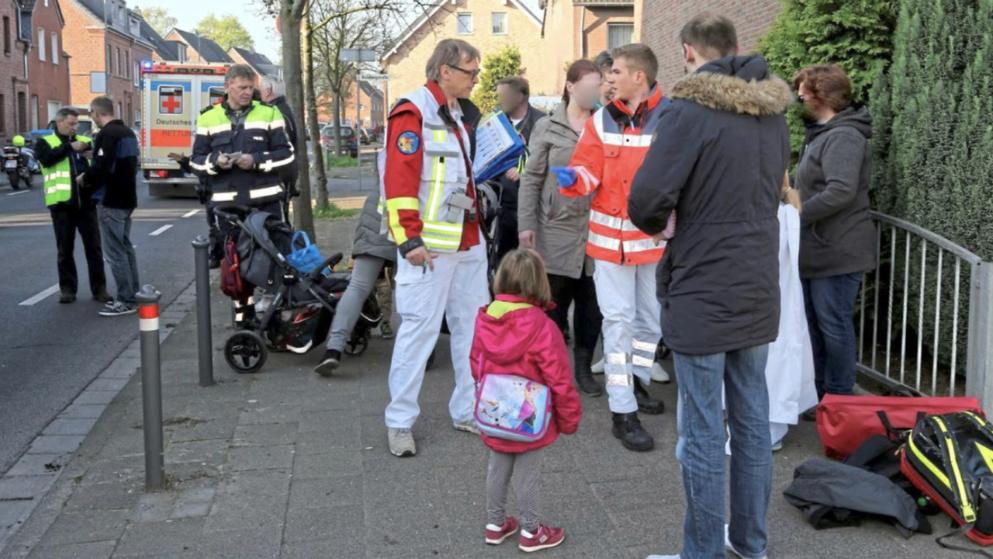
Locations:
column 465, row 23
column 498, row 21
column 41, row 44
column 619, row 34
column 55, row 48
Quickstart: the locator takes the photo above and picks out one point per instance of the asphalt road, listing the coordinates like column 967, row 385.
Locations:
column 50, row 352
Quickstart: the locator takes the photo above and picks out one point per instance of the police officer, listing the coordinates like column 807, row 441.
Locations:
column 434, row 220
column 241, row 147
column 61, row 155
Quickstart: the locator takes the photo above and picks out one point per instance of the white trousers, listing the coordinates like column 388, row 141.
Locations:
column 631, row 331
column 455, row 289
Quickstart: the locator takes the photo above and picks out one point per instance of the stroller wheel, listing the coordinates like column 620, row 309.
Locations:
column 245, row 352
column 357, row 345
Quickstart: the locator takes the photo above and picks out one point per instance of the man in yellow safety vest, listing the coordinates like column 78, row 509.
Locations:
column 62, row 158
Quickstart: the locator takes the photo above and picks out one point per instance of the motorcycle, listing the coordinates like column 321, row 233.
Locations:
column 16, row 166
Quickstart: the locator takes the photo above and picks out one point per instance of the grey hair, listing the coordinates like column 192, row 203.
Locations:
column 278, row 86
column 102, row 105
column 65, row 112
column 239, row 71
column 449, row 52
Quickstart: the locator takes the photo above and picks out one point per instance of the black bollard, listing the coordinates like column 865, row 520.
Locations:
column 151, row 385
column 204, row 340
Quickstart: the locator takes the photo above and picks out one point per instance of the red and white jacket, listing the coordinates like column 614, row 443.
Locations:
column 609, row 153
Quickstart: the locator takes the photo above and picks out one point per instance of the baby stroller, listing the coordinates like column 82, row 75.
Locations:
column 292, row 309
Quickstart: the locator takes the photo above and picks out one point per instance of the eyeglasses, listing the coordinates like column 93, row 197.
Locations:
column 471, row 73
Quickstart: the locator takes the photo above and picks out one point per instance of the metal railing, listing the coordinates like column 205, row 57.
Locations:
column 925, row 310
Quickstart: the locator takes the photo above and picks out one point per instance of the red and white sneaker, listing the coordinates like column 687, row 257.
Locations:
column 545, row 537
column 495, row 535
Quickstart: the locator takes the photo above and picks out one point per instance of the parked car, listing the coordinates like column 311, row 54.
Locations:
column 365, row 136
column 349, row 140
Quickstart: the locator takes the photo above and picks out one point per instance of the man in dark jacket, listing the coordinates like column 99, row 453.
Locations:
column 514, row 94
column 718, row 161
column 62, row 158
column 273, row 92
column 112, row 181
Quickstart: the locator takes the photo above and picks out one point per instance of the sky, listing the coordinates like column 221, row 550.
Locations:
column 190, row 12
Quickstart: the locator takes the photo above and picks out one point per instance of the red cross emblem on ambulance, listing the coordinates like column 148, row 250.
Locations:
column 170, row 100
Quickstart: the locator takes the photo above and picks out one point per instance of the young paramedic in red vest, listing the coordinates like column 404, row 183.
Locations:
column 609, row 153
column 433, row 217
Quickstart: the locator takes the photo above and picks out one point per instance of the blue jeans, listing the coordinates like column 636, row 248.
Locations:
column 115, row 229
column 700, row 450
column 830, row 305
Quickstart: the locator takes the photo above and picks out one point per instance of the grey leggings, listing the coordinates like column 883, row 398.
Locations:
column 364, row 275
column 525, row 468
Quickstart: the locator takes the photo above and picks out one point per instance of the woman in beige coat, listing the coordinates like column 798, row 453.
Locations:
column 557, row 226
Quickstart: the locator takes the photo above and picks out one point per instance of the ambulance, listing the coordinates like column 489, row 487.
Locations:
column 172, row 97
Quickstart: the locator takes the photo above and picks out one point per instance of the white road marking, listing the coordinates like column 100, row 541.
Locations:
column 160, row 230
column 191, row 213
column 39, row 297
column 18, row 192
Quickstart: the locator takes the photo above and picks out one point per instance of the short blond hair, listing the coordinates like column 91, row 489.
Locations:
column 522, row 273
column 639, row 57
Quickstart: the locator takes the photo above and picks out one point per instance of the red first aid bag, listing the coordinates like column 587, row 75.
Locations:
column 845, row 422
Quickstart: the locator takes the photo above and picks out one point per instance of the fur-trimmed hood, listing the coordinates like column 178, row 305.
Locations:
column 738, row 84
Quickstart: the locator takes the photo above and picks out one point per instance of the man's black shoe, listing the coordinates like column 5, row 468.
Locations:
column 67, row 297
column 627, row 428
column 330, row 362
column 647, row 404
column 214, row 263
column 102, row 297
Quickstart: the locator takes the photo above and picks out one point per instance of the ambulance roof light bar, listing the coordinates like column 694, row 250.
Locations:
column 151, row 67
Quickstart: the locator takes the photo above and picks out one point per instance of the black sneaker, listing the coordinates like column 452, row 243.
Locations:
column 102, row 297
column 118, row 308
column 332, row 358
column 67, row 297
column 627, row 428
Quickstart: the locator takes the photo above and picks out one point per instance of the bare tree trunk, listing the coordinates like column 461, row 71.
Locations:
column 291, row 13
column 340, row 149
column 314, row 129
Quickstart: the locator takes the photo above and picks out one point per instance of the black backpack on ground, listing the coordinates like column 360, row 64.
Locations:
column 866, row 485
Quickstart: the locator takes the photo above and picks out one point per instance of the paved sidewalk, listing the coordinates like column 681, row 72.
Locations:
column 288, row 464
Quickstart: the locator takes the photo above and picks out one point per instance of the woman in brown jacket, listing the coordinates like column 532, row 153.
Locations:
column 557, row 226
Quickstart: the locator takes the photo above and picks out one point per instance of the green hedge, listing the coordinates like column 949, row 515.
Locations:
column 934, row 115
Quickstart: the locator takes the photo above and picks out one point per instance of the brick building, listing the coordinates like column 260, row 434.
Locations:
column 370, row 105
column 107, row 47
column 15, row 33
column 661, row 21
column 48, row 64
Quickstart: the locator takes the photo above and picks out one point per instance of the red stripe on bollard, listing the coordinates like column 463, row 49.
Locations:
column 148, row 317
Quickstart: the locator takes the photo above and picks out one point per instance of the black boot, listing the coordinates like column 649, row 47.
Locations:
column 582, row 360
column 627, row 428
column 647, row 404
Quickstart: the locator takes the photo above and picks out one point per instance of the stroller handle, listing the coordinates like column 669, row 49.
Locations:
column 331, row 262
column 233, row 213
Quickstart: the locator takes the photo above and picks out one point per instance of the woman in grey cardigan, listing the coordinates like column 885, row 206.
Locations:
column 557, row 226
column 837, row 236
column 371, row 251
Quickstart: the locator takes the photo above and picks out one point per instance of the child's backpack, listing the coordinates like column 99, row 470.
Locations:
column 512, row 407
column 950, row 459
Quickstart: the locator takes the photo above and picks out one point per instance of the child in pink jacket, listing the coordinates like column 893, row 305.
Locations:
column 515, row 336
